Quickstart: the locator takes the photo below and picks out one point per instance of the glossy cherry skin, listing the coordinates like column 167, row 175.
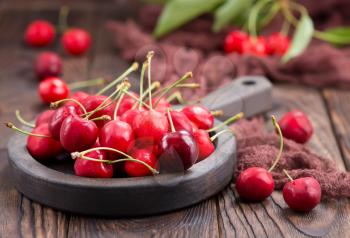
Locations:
column 78, row 96
column 296, row 126
column 58, row 117
column 53, row 89
column 302, row 194
column 256, row 47
column 181, row 122
column 43, row 148
column 127, row 103
column 93, row 169
column 48, row 64
column 255, row 184
column 130, row 115
column 134, row 169
column 205, row 145
column 277, row 44
column 162, row 105
column 200, row 116
column 118, row 135
column 151, row 126
column 76, row 41
column 44, row 117
column 234, row 42
column 178, row 151
column 39, row 33
column 92, row 102
column 78, row 134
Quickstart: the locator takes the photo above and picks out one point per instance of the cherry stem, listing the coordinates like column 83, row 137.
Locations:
column 228, row 121
column 287, row 174
column 21, row 120
column 132, row 96
column 278, row 157
column 214, row 137
column 155, row 85
column 170, row 121
column 217, row 113
column 87, row 83
column 173, row 85
column 176, row 95
column 131, row 69
column 102, row 118
column 181, row 85
column 144, row 66
column 122, row 93
column 13, row 127
column 76, row 155
column 54, row 105
column 63, row 16
column 149, row 59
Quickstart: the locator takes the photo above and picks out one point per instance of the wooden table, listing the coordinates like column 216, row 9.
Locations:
column 219, row 216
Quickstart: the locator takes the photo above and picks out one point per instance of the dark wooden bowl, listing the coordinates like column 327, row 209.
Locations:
column 55, row 185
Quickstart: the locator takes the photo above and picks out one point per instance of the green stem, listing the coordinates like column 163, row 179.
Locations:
column 287, row 174
column 144, row 66
column 132, row 96
column 62, row 20
column 171, row 121
column 149, row 59
column 57, row 103
column 13, row 127
column 214, row 137
column 21, row 120
column 155, row 85
column 228, row 121
column 101, row 118
column 87, row 83
column 278, row 157
column 117, row 106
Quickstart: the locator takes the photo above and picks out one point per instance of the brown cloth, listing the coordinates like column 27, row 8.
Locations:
column 258, row 148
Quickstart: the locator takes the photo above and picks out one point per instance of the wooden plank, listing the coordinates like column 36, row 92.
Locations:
column 339, row 108
column 272, row 218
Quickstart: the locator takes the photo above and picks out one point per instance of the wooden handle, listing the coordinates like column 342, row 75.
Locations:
column 248, row 94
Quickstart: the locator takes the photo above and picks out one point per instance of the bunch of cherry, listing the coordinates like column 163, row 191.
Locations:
column 125, row 133
column 241, row 43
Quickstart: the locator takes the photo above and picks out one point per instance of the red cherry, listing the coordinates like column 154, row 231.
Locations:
column 162, row 105
column 76, row 41
column 78, row 96
column 302, row 194
column 58, row 117
column 181, row 122
column 78, row 134
column 277, row 44
column 92, row 102
column 200, row 116
column 150, row 125
column 39, row 33
column 44, row 117
column 135, row 169
column 126, row 103
column 255, row 184
column 118, row 135
column 53, row 89
column 178, row 151
column 296, row 126
column 256, row 46
column 43, row 148
column 130, row 115
column 48, row 64
column 234, row 42
column 205, row 145
column 93, row 169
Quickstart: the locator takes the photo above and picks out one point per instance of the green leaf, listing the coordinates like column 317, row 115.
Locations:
column 338, row 36
column 302, row 37
column 227, row 12
column 178, row 12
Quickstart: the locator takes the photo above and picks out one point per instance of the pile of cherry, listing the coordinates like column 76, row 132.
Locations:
column 241, row 43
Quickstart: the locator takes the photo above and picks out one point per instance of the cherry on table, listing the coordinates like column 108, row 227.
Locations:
column 76, row 41
column 53, row 89
column 48, row 64
column 235, row 41
column 39, row 33
column 302, row 194
column 200, row 116
column 134, row 169
column 93, row 169
column 44, row 117
column 295, row 125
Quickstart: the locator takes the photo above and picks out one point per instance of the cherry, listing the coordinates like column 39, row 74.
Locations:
column 39, row 33
column 150, row 125
column 77, row 133
column 135, row 169
column 127, row 103
column 78, row 96
column 48, row 64
column 200, row 116
column 118, row 135
column 181, row 122
column 53, row 89
column 162, row 105
column 93, row 169
column 234, row 42
column 59, row 116
column 277, row 44
column 302, row 194
column 93, row 102
column 130, row 115
column 296, row 126
column 44, row 117
column 76, row 41
column 256, row 46
column 255, row 184
column 204, row 143
column 40, row 144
